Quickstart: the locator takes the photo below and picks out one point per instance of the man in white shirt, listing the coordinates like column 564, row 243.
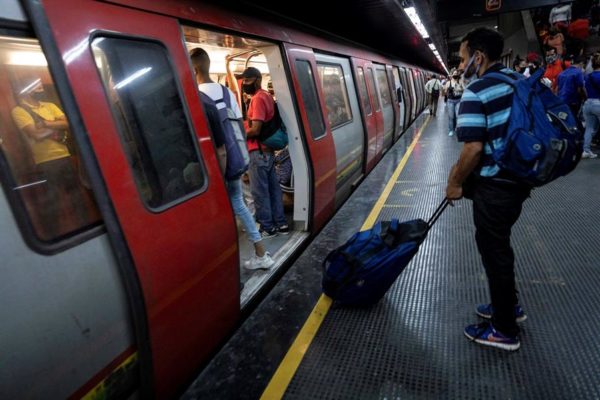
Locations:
column 453, row 89
column 433, row 87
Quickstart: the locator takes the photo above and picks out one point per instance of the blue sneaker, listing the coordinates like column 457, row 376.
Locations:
column 486, row 311
column 487, row 335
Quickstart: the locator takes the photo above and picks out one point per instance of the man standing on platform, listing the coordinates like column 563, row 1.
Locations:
column 433, row 87
column 483, row 118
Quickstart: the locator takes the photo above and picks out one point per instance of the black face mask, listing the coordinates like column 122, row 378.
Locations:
column 249, row 88
column 38, row 95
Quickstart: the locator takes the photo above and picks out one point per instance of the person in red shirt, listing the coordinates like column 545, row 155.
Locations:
column 264, row 183
column 554, row 66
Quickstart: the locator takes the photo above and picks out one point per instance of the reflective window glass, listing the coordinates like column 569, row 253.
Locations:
column 309, row 97
column 372, row 80
column 335, row 93
column 45, row 169
column 148, row 108
column 383, row 87
column 362, row 89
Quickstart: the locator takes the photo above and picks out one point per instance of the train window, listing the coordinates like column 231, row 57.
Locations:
column 310, row 99
column 372, row 80
column 384, row 89
column 335, row 93
column 41, row 164
column 148, row 108
column 397, row 84
column 362, row 88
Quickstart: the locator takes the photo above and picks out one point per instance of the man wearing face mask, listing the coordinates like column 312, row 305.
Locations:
column 43, row 125
column 483, row 118
column 554, row 66
column 263, row 178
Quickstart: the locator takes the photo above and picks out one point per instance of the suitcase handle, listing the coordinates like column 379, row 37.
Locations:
column 437, row 213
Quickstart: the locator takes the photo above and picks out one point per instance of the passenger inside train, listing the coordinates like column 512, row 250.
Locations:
column 35, row 139
column 230, row 56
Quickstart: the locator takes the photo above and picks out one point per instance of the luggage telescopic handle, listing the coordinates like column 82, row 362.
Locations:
column 437, row 213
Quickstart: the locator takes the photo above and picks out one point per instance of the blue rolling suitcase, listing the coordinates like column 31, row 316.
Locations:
column 361, row 271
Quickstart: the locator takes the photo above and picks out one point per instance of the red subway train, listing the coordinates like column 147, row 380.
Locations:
column 121, row 256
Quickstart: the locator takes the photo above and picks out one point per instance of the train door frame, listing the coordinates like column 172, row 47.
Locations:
column 376, row 101
column 395, row 103
column 37, row 17
column 399, row 98
column 321, row 150
column 350, row 132
column 387, row 143
column 176, row 301
column 422, row 88
column 369, row 118
column 412, row 82
column 408, row 100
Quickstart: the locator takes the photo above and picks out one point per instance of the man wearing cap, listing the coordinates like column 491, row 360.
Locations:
column 263, row 179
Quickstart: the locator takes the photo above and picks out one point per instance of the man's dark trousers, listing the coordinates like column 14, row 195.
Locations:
column 496, row 208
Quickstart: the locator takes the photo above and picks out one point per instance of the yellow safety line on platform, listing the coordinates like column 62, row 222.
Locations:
column 290, row 363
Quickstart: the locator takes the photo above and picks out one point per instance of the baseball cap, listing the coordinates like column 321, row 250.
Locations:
column 251, row 72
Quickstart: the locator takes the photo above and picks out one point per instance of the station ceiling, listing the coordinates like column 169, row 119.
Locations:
column 381, row 25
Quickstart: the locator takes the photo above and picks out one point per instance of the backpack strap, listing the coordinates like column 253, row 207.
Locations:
column 226, row 98
column 504, row 78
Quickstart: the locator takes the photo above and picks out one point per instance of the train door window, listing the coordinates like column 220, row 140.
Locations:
column 336, row 94
column 372, row 80
column 39, row 160
column 362, row 88
column 309, row 96
column 155, row 131
column 384, row 89
column 397, row 84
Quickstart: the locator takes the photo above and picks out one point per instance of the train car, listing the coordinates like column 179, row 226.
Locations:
column 121, row 256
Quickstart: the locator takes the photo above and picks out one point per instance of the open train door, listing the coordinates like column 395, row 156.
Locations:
column 319, row 139
column 141, row 118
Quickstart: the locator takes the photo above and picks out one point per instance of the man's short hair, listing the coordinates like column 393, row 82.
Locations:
column 200, row 60
column 489, row 41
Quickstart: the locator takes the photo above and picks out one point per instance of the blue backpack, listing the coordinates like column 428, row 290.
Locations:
column 542, row 140
column 224, row 119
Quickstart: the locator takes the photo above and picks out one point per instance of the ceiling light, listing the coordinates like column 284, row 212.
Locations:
column 414, row 18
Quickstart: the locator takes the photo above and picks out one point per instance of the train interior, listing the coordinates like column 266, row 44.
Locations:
column 230, row 55
column 55, row 209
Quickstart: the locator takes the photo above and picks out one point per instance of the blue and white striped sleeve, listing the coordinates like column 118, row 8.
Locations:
column 471, row 125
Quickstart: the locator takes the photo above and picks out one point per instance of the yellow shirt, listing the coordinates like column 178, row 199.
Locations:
column 45, row 149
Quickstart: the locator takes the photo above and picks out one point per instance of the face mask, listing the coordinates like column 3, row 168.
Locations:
column 38, row 95
column 469, row 75
column 551, row 59
column 249, row 88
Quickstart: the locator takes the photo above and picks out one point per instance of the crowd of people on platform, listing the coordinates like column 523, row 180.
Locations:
column 575, row 79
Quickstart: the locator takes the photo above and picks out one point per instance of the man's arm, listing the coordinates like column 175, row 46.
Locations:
column 468, row 160
column 37, row 133
column 254, row 129
column 471, row 127
column 222, row 158
column 60, row 123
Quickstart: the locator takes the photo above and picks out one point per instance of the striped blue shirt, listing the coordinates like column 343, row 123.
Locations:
column 483, row 116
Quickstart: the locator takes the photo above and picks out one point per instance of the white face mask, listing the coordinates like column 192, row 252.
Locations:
column 467, row 77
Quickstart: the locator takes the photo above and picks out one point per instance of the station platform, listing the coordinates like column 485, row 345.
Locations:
column 411, row 345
